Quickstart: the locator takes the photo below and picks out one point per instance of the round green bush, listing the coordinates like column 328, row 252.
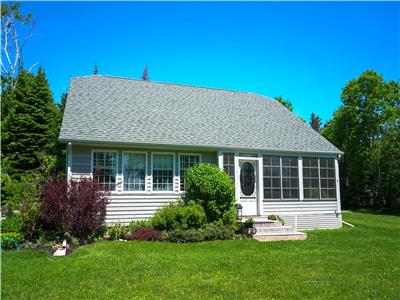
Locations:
column 12, row 223
column 212, row 188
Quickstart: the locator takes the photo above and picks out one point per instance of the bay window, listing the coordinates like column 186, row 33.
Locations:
column 185, row 162
column 134, row 171
column 163, row 172
column 104, row 168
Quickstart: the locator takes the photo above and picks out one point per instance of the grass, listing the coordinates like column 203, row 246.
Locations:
column 349, row 263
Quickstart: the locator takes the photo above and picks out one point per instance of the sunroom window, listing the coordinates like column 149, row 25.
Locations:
column 311, row 178
column 327, row 178
column 163, row 172
column 272, row 177
column 185, row 162
column 134, row 170
column 290, row 177
column 104, row 168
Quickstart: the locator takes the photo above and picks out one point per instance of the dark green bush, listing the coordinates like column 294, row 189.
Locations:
column 217, row 231
column 185, row 236
column 212, row 188
column 12, row 223
column 177, row 215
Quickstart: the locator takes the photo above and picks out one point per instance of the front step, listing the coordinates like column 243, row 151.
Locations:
column 281, row 236
column 269, row 230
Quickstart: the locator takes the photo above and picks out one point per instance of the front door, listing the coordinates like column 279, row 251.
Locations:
column 248, row 186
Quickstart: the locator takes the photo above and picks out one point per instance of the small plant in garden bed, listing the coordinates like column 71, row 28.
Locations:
column 276, row 218
column 249, row 223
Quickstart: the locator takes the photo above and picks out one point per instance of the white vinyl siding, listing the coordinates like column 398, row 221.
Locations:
column 104, row 168
column 134, row 171
column 185, row 162
column 163, row 172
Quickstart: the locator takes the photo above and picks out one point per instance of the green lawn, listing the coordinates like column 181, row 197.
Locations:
column 349, row 263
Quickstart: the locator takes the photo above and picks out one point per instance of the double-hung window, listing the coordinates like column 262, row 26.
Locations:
column 104, row 168
column 163, row 172
column 134, row 171
column 185, row 162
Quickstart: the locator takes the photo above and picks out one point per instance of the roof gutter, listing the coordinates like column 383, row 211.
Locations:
column 205, row 147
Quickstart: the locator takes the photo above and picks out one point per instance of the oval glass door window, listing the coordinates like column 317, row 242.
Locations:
column 247, row 179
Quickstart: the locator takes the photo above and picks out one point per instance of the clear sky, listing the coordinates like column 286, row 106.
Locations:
column 306, row 52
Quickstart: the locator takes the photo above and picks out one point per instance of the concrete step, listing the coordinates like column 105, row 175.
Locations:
column 274, row 229
column 280, row 236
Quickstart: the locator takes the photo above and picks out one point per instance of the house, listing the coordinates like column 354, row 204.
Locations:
column 142, row 136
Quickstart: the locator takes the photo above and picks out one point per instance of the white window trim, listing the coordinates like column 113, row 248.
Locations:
column 145, row 175
column 116, row 164
column 173, row 172
column 179, row 165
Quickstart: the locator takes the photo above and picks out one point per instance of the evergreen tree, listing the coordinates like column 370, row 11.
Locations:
column 32, row 125
column 145, row 74
column 285, row 102
column 95, row 70
column 316, row 122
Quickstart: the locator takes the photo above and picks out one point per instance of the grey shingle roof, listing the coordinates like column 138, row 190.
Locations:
column 108, row 109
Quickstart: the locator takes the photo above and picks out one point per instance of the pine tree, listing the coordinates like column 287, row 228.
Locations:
column 95, row 70
column 285, row 102
column 316, row 122
column 145, row 74
column 32, row 125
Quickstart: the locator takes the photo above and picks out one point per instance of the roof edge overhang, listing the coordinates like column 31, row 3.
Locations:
column 202, row 147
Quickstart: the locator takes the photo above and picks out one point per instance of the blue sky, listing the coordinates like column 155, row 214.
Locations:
column 306, row 52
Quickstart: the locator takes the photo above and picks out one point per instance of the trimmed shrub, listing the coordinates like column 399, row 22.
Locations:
column 6, row 239
column 144, row 234
column 178, row 216
column 185, row 236
column 212, row 188
column 77, row 208
column 12, row 223
column 217, row 231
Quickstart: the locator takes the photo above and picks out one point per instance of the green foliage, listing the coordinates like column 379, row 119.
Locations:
column 7, row 239
column 212, row 188
column 135, row 224
column 285, row 102
column 177, row 215
column 117, row 231
column 366, row 127
column 210, row 232
column 12, row 223
column 23, row 195
column 31, row 124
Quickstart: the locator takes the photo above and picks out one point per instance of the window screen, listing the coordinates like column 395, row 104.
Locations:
column 310, row 178
column 272, row 177
column 134, row 170
column 327, row 178
column 290, row 178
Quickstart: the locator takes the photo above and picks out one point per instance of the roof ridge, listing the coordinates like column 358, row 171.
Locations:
column 169, row 83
